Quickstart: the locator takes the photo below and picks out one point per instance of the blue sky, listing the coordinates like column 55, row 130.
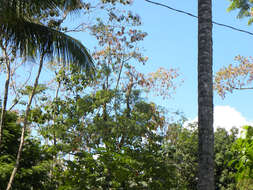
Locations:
column 172, row 42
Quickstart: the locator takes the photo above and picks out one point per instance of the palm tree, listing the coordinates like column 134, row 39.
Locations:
column 205, row 96
column 20, row 28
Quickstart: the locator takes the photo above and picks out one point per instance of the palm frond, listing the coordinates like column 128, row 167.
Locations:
column 30, row 37
column 33, row 7
column 27, row 7
column 71, row 5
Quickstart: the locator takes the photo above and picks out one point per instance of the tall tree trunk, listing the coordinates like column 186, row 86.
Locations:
column 54, row 135
column 205, row 96
column 27, row 111
column 6, row 89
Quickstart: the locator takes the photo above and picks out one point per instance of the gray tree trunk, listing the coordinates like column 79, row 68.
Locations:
column 22, row 138
column 6, row 90
column 205, row 96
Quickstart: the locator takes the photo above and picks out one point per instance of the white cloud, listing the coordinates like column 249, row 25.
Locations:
column 227, row 117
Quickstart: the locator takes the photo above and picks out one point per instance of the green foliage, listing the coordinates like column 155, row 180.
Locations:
column 108, row 148
column 244, row 164
column 224, row 174
column 245, row 8
column 35, row 162
column 97, row 132
column 28, row 90
column 184, row 143
column 125, row 169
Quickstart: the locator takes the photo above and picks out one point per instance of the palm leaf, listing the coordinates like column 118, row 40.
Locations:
column 27, row 7
column 30, row 38
column 33, row 7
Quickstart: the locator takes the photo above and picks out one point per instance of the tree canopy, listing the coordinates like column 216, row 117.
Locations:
column 85, row 120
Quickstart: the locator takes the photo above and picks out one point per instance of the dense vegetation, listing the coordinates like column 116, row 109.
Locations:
column 85, row 122
column 97, row 159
